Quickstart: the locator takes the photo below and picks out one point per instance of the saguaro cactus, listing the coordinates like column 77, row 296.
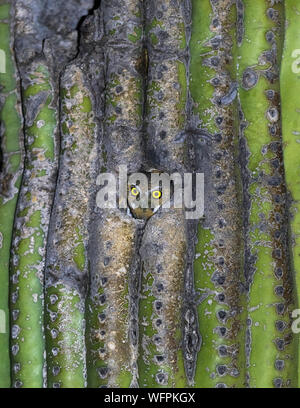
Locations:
column 161, row 357
column 270, row 343
column 66, row 270
column 111, row 336
column 10, row 174
column 111, row 349
column 30, row 230
column 166, row 29
column 42, row 50
column 161, row 304
column 108, row 294
column 289, row 89
column 218, row 265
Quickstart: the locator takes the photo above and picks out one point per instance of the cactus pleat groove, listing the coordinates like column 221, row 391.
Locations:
column 118, row 296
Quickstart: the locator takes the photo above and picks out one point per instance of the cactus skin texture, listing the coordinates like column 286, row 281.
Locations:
column 66, row 269
column 10, row 177
column 166, row 96
column 290, row 88
column 218, row 265
column 164, row 241
column 111, row 337
column 30, row 230
column 111, row 351
column 163, row 255
column 119, row 297
column 123, row 54
column 270, row 345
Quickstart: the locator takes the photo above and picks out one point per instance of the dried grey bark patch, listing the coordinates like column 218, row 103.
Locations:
column 53, row 20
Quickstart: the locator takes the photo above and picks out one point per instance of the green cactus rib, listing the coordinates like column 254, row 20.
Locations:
column 271, row 346
column 218, row 261
column 30, row 230
column 67, row 265
column 10, row 177
column 111, row 346
column 161, row 359
column 289, row 90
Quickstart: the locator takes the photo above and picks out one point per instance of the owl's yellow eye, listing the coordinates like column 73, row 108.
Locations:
column 134, row 191
column 156, row 194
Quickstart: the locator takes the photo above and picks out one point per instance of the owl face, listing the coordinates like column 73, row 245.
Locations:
column 144, row 199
